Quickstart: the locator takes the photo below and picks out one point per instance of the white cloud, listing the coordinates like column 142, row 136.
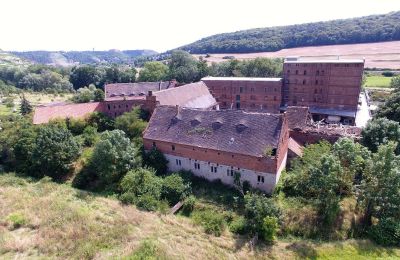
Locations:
column 158, row 25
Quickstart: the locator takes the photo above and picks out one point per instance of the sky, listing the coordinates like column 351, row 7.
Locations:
column 159, row 25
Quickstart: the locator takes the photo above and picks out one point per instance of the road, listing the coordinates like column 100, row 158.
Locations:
column 363, row 114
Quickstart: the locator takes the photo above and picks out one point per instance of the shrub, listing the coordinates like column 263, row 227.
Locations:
column 17, row 220
column 174, row 188
column 100, row 121
column 212, row 222
column 269, row 229
column 76, row 126
column 131, row 123
column 156, row 160
column 148, row 250
column 388, row 74
column 90, row 135
column 238, row 225
column 54, row 151
column 113, row 156
column 188, row 205
column 386, row 232
column 148, row 202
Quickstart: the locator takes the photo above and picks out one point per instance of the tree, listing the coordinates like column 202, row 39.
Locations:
column 381, row 131
column 117, row 74
column 183, row 67
column 25, row 107
column 257, row 208
column 395, row 83
column 391, row 108
column 153, row 71
column 100, row 121
column 156, row 160
column 53, row 153
column 84, row 76
column 380, row 188
column 141, row 187
column 98, row 95
column 113, row 156
column 86, row 94
column 174, row 189
column 131, row 123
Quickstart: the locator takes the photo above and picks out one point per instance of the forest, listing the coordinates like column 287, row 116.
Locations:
column 374, row 28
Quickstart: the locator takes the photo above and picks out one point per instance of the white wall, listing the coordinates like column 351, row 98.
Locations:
column 270, row 179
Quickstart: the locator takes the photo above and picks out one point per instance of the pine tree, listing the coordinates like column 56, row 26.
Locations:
column 26, row 106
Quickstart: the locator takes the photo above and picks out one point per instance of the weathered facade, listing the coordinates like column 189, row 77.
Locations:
column 251, row 94
column 330, row 88
column 217, row 144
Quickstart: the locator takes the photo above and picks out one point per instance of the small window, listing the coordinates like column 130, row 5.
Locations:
column 297, row 72
column 109, row 107
column 288, row 72
column 154, row 144
column 214, row 169
column 317, row 72
column 316, row 82
column 173, row 147
column 304, row 81
column 241, row 89
column 305, row 72
column 260, row 179
column 126, row 105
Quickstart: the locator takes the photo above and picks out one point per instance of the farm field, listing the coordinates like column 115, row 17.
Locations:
column 35, row 99
column 377, row 55
column 377, row 82
column 43, row 219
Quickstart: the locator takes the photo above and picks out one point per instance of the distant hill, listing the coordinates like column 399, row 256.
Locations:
column 10, row 59
column 374, row 28
column 66, row 58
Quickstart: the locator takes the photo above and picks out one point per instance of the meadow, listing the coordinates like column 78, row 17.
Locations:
column 377, row 81
column 43, row 219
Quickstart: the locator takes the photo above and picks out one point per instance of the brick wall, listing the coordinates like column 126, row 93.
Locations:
column 253, row 95
column 324, row 85
column 116, row 108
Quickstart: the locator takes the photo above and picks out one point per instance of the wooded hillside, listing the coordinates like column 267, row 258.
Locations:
column 374, row 28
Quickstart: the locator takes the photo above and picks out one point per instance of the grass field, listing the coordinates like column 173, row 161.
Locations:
column 49, row 220
column 377, row 82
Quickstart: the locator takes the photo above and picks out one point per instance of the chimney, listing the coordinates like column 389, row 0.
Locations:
column 159, row 85
column 172, row 83
column 178, row 112
column 150, row 93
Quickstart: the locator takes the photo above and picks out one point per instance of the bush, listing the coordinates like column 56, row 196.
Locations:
column 100, row 121
column 148, row 202
column 17, row 220
column 156, row 160
column 388, row 74
column 148, row 250
column 238, row 226
column 269, row 229
column 174, row 189
column 76, row 126
column 90, row 135
column 188, row 205
column 386, row 232
column 212, row 222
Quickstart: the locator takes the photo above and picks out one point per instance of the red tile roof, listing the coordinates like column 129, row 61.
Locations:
column 125, row 90
column 44, row 114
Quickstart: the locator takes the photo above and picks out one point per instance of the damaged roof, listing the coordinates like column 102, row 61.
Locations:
column 233, row 131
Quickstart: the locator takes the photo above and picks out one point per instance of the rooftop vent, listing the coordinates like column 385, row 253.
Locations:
column 216, row 125
column 195, row 122
column 112, row 95
column 232, row 140
column 240, row 128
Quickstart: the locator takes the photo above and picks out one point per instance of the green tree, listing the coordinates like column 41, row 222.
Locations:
column 380, row 188
column 381, row 131
column 98, row 95
column 395, row 83
column 183, row 67
column 156, row 160
column 391, row 108
column 116, row 74
column 84, row 76
column 25, row 107
column 153, row 71
column 142, row 187
column 174, row 189
column 270, row 228
column 53, row 153
column 131, row 123
column 113, row 156
column 257, row 208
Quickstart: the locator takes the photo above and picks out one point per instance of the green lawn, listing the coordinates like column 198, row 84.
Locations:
column 377, row 82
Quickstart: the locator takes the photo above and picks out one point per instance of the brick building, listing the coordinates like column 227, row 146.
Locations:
column 215, row 144
column 252, row 94
column 330, row 88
